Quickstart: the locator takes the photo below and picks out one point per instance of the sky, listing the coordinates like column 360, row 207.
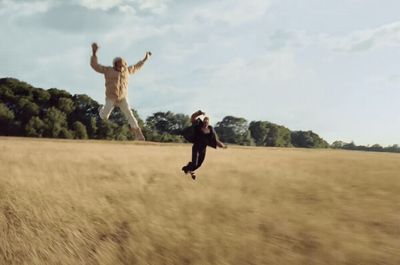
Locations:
column 328, row 66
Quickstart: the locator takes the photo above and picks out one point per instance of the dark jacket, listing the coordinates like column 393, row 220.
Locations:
column 190, row 133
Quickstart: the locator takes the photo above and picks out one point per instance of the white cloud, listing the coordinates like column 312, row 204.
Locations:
column 374, row 38
column 154, row 6
column 24, row 8
column 127, row 9
column 100, row 4
column 233, row 12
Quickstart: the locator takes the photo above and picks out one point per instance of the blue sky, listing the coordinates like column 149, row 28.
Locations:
column 328, row 66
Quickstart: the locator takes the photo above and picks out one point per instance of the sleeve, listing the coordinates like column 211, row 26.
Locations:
column 133, row 68
column 213, row 139
column 96, row 66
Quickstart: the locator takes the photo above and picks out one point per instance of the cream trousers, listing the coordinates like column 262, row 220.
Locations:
column 123, row 105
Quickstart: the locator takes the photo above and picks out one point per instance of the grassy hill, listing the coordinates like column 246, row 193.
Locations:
column 94, row 202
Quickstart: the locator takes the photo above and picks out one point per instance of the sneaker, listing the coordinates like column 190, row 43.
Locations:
column 185, row 169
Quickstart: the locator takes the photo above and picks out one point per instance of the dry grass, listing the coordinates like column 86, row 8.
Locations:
column 72, row 202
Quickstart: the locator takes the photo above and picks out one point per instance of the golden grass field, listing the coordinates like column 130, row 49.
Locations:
column 99, row 202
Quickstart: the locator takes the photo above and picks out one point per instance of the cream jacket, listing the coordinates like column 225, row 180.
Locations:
column 116, row 82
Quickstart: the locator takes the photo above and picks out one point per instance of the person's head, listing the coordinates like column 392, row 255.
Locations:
column 206, row 121
column 119, row 64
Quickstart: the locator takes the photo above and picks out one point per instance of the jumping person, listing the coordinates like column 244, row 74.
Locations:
column 117, row 78
column 201, row 134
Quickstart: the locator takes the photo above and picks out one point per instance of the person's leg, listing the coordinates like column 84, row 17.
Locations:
column 198, row 155
column 126, row 109
column 105, row 111
column 202, row 156
column 190, row 165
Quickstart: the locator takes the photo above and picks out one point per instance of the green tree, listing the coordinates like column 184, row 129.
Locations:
column 6, row 119
column 308, row 139
column 85, row 111
column 20, row 89
column 35, row 127
column 41, row 96
column 165, row 126
column 56, row 94
column 55, row 121
column 337, row 144
column 26, row 109
column 269, row 134
column 66, row 105
column 6, row 93
column 376, row 148
column 65, row 133
column 167, row 122
column 106, row 130
column 234, row 130
column 79, row 130
column 259, row 131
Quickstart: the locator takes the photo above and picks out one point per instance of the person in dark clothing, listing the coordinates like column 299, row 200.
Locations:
column 201, row 134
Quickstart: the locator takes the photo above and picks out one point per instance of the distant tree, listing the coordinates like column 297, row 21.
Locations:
column 6, row 120
column 394, row 148
column 234, row 130
column 56, row 94
column 65, row 133
column 259, row 131
column 308, row 139
column 350, row 146
column 66, row 105
column 41, row 96
column 20, row 89
column 91, row 127
column 35, row 127
column 165, row 126
column 6, row 94
column 26, row 109
column 376, row 148
column 337, row 144
column 123, row 133
column 269, row 134
column 167, row 122
column 85, row 111
column 106, row 130
column 79, row 130
column 55, row 121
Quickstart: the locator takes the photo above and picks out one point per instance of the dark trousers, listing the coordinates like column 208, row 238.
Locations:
column 198, row 155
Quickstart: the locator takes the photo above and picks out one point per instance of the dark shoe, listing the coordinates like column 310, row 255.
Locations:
column 193, row 175
column 185, row 169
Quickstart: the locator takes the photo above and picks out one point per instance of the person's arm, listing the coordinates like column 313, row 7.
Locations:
column 133, row 68
column 93, row 60
column 221, row 144
column 195, row 115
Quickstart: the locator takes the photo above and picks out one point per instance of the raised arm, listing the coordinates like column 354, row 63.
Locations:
column 93, row 60
column 133, row 68
column 195, row 115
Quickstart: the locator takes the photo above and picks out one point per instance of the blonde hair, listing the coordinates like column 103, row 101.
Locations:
column 124, row 63
column 124, row 68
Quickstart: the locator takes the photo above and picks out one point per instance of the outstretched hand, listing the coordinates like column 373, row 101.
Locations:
column 148, row 54
column 95, row 47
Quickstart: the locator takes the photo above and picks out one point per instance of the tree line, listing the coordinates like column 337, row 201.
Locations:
column 55, row 113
